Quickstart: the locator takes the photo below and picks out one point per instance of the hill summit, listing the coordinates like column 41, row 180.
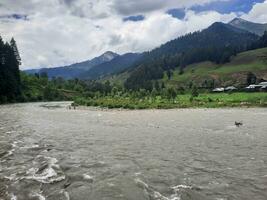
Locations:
column 252, row 27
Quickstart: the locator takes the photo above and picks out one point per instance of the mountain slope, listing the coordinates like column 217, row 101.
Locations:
column 74, row 70
column 252, row 27
column 232, row 73
column 116, row 65
column 217, row 43
column 218, row 34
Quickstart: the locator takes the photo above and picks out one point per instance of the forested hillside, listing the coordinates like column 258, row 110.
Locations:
column 216, row 44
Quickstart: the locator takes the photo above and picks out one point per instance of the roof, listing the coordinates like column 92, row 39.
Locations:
column 253, row 86
column 263, row 83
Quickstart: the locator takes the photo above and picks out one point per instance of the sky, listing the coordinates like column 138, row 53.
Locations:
column 52, row 33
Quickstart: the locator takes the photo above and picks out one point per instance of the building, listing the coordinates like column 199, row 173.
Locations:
column 254, row 88
column 263, row 83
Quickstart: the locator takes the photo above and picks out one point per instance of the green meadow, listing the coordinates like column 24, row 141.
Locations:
column 205, row 100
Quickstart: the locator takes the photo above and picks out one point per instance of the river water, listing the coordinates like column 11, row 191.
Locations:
column 50, row 152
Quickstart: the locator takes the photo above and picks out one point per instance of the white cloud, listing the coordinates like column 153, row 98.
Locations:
column 258, row 13
column 61, row 32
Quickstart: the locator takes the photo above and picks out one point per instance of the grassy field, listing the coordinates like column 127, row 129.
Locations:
column 233, row 73
column 181, row 101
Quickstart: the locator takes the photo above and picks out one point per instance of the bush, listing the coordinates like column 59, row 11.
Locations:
column 194, row 92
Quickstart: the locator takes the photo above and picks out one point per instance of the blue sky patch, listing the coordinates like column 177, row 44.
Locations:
column 134, row 18
column 228, row 6
column 14, row 16
column 177, row 13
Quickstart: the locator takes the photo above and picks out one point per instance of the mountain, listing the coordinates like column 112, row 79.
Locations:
column 74, row 70
column 86, row 65
column 217, row 44
column 118, row 64
column 252, row 27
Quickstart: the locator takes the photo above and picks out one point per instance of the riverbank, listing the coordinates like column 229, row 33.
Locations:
column 206, row 100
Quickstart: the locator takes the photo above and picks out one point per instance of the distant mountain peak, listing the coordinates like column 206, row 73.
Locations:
column 256, row 28
column 109, row 55
column 219, row 26
column 238, row 20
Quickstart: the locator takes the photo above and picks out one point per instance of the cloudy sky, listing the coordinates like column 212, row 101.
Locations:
column 53, row 33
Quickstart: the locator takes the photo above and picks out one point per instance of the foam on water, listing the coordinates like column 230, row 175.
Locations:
column 155, row 194
column 66, row 194
column 48, row 174
column 13, row 197
column 38, row 195
column 181, row 187
column 87, row 177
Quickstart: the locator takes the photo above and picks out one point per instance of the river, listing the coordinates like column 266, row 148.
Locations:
column 50, row 152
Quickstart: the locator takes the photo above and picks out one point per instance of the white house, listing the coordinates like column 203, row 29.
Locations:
column 263, row 83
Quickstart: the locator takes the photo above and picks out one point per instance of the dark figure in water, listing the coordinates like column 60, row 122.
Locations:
column 238, row 124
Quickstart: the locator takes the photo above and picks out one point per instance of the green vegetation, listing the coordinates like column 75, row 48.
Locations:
column 39, row 88
column 178, row 87
column 205, row 100
column 9, row 72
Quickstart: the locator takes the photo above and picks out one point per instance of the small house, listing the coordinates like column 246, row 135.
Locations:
column 253, row 88
column 263, row 83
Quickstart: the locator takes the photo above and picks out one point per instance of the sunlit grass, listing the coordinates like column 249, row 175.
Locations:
column 207, row 100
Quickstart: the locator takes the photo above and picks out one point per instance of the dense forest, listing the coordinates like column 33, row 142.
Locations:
column 10, row 83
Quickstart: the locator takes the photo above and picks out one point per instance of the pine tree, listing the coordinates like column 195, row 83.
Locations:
column 14, row 47
column 9, row 72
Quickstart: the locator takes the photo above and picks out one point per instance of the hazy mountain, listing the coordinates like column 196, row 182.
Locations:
column 74, row 70
column 252, row 27
column 86, row 65
column 116, row 65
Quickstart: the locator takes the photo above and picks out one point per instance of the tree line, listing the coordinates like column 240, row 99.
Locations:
column 10, row 83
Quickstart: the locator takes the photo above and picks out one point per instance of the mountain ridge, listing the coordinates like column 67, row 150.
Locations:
column 116, row 65
column 256, row 28
column 74, row 70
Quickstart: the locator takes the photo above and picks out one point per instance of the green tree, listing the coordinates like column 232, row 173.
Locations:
column 171, row 93
column 194, row 91
column 251, row 78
